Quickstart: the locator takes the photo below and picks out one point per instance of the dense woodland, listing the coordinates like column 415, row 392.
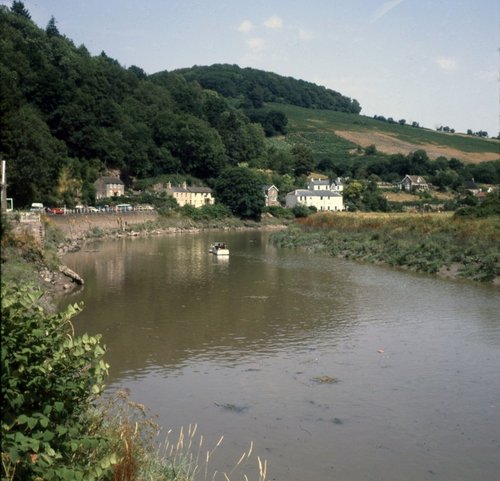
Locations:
column 67, row 117
column 252, row 88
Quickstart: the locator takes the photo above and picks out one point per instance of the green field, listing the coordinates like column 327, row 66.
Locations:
column 316, row 128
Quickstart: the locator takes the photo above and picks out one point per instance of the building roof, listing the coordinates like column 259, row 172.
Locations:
column 192, row 189
column 200, row 190
column 470, row 184
column 110, row 180
column 315, row 193
column 319, row 181
column 416, row 179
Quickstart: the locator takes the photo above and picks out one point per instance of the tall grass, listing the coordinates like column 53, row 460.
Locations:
column 141, row 456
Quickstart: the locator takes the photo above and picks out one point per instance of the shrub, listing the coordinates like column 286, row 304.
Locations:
column 301, row 211
column 50, row 379
column 207, row 212
column 279, row 212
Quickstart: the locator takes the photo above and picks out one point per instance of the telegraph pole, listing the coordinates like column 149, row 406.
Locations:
column 4, row 189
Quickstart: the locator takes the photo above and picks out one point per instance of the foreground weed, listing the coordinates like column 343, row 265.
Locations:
column 134, row 435
column 187, row 459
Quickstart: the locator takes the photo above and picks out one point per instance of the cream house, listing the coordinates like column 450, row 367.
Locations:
column 190, row 195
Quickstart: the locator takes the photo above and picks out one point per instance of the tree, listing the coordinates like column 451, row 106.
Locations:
column 240, row 189
column 198, row 146
column 353, row 191
column 280, row 161
column 34, row 156
column 371, row 149
column 51, row 29
column 303, row 160
column 275, row 123
column 19, row 9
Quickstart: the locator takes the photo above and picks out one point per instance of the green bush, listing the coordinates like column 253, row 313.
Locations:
column 490, row 206
column 301, row 211
column 50, row 380
column 279, row 212
column 207, row 212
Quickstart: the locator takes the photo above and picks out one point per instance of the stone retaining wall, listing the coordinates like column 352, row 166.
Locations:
column 76, row 225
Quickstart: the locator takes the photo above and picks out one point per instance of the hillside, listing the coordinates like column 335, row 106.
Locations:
column 67, row 117
column 339, row 133
column 255, row 87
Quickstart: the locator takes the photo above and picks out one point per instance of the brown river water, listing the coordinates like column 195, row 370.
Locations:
column 334, row 370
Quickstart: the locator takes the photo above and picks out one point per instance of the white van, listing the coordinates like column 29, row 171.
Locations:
column 123, row 207
column 36, row 207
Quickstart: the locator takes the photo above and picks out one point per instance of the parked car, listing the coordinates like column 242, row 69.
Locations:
column 123, row 207
column 55, row 210
column 37, row 207
column 92, row 209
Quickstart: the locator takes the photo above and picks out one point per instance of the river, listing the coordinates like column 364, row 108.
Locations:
column 334, row 370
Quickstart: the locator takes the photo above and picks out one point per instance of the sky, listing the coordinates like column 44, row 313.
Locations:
column 435, row 62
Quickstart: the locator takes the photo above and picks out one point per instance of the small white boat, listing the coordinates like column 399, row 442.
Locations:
column 219, row 249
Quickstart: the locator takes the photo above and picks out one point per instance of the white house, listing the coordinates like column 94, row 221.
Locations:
column 413, row 182
column 320, row 194
column 318, row 184
column 324, row 184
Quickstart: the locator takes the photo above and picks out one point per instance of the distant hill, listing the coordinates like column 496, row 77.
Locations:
column 67, row 117
column 255, row 87
column 340, row 134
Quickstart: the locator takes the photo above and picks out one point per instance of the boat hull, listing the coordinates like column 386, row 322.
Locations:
column 219, row 249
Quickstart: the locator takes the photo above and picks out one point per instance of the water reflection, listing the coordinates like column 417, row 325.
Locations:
column 416, row 357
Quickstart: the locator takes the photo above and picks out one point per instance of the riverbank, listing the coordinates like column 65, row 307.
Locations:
column 77, row 232
column 433, row 243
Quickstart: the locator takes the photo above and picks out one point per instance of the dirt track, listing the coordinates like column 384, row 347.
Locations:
column 392, row 145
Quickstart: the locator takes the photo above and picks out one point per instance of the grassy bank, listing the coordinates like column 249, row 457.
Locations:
column 432, row 243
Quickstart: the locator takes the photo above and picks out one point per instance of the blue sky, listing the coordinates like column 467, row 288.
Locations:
column 435, row 62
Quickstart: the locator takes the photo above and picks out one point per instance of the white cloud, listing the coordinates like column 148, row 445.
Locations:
column 446, row 63
column 256, row 44
column 274, row 22
column 245, row 26
column 384, row 9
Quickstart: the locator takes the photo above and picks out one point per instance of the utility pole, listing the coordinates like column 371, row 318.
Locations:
column 4, row 189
